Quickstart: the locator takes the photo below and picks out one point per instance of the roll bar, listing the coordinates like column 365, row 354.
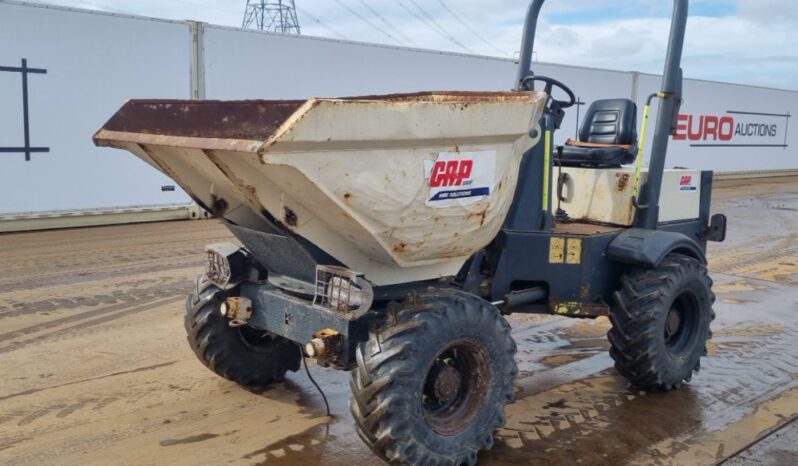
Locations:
column 528, row 42
column 648, row 204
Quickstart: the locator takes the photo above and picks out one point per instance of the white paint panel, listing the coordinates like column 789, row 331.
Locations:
column 702, row 146
column 605, row 195
column 94, row 63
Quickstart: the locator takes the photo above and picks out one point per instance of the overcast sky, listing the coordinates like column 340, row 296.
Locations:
column 744, row 41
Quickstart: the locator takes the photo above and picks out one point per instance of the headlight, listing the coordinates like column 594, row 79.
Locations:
column 226, row 264
column 343, row 295
column 342, row 290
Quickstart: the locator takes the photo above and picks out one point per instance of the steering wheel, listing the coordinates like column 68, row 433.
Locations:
column 550, row 84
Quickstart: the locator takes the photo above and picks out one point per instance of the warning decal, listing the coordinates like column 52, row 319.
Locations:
column 460, row 178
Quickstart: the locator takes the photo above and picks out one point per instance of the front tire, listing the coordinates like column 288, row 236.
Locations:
column 250, row 357
column 432, row 381
column 660, row 323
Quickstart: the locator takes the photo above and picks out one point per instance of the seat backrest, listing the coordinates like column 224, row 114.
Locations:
column 610, row 121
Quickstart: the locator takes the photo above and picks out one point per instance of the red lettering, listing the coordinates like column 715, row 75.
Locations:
column 726, row 130
column 681, row 128
column 436, row 178
column 710, row 127
column 690, row 134
column 451, row 173
column 465, row 171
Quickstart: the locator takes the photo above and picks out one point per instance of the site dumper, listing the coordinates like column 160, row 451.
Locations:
column 390, row 235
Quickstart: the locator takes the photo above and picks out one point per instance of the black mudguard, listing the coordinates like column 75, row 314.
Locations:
column 647, row 248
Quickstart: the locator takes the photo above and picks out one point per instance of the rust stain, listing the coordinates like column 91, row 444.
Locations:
column 481, row 215
column 290, row 217
column 249, row 191
column 347, row 197
column 465, row 98
column 218, row 205
column 400, row 248
column 250, row 120
column 623, row 181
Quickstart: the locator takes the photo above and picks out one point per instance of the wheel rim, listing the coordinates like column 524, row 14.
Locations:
column 681, row 324
column 455, row 387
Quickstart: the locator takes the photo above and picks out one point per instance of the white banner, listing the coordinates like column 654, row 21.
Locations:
column 460, row 178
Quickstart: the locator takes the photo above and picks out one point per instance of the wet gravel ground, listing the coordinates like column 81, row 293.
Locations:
column 96, row 369
column 780, row 448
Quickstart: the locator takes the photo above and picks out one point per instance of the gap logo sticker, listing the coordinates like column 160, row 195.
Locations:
column 688, row 183
column 460, row 178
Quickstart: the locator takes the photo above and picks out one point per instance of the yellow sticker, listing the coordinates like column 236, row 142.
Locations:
column 556, row 250
column 574, row 254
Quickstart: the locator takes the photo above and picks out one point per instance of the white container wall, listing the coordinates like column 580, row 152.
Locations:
column 730, row 128
column 251, row 64
column 96, row 61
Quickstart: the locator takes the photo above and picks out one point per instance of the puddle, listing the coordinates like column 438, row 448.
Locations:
column 556, row 360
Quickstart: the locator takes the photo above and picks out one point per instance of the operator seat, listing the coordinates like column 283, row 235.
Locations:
column 608, row 137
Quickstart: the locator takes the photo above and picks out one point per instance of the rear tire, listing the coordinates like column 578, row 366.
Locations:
column 432, row 381
column 660, row 323
column 250, row 357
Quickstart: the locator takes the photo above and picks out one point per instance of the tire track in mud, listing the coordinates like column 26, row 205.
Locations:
column 119, row 312
column 61, row 410
column 33, row 283
column 115, row 298
column 80, row 257
column 133, row 235
column 100, row 271
column 90, row 379
column 54, row 413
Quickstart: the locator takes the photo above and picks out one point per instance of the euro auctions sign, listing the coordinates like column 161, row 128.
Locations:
column 733, row 129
